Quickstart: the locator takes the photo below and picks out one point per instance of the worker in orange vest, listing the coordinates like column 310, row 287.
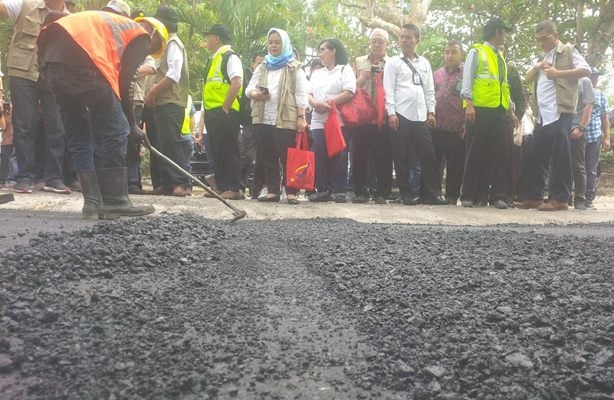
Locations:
column 89, row 60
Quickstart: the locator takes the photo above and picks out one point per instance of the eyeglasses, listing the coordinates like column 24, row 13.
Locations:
column 377, row 42
column 542, row 39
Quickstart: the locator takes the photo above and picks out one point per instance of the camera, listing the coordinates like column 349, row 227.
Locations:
column 376, row 69
column 263, row 89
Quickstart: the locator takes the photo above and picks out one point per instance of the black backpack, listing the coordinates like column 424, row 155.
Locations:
column 245, row 108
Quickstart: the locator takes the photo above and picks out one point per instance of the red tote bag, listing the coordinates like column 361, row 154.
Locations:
column 300, row 165
column 359, row 111
column 335, row 142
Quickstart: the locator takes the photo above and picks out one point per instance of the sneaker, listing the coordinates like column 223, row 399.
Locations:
column 56, row 186
column 24, row 186
column 75, row 186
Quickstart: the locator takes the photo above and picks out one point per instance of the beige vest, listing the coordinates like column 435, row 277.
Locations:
column 566, row 89
column 23, row 60
column 178, row 92
column 287, row 113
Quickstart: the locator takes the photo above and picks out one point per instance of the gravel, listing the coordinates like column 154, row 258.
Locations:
column 187, row 308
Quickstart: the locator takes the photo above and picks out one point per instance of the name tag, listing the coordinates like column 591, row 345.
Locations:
column 417, row 79
column 459, row 86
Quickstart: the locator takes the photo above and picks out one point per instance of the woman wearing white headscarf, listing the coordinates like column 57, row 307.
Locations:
column 278, row 90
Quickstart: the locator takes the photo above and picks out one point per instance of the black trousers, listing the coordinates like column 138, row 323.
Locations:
column 272, row 144
column 223, row 130
column 551, row 147
column 417, row 135
column 484, row 175
column 155, row 164
column 369, row 140
column 168, row 120
column 450, row 155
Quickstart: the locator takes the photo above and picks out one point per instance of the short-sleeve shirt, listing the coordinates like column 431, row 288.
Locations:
column 326, row 84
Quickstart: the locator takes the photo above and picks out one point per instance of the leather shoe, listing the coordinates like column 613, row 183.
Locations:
column 411, row 201
column 553, row 205
column 179, row 191
column 292, row 200
column 269, row 198
column 499, row 204
column 527, row 204
column 319, row 197
column 232, row 195
column 437, row 201
column 468, row 203
column 340, row 198
column 160, row 191
column 360, row 199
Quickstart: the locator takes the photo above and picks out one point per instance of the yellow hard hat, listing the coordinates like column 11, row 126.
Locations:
column 160, row 29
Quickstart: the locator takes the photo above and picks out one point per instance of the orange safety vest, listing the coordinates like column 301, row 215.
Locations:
column 104, row 36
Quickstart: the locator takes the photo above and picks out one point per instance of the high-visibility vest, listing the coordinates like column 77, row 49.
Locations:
column 186, row 129
column 488, row 90
column 103, row 36
column 216, row 87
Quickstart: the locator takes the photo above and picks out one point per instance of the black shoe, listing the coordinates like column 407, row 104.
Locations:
column 411, row 201
column 437, row 201
column 452, row 200
column 499, row 204
column 467, row 203
column 135, row 189
column 360, row 199
column 340, row 198
column 380, row 200
column 319, row 197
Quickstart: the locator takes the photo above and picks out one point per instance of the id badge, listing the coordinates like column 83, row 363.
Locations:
column 417, row 79
column 459, row 86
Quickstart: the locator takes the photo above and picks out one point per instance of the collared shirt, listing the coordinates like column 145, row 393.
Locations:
column 174, row 60
column 470, row 69
column 326, row 84
column 14, row 7
column 403, row 95
column 449, row 105
column 546, row 88
column 594, row 128
column 586, row 96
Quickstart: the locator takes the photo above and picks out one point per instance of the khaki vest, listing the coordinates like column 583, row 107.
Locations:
column 178, row 92
column 287, row 113
column 22, row 59
column 566, row 89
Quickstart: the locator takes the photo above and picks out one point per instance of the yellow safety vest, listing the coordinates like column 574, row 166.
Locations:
column 215, row 87
column 488, row 91
column 186, row 129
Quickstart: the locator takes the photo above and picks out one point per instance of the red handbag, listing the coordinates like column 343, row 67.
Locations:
column 300, row 165
column 358, row 111
column 335, row 142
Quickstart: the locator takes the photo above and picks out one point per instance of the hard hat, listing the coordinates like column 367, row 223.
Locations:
column 160, row 29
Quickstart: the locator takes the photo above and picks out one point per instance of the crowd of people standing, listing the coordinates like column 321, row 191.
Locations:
column 473, row 122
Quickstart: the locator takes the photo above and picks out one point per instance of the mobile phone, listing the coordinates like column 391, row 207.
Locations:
column 263, row 89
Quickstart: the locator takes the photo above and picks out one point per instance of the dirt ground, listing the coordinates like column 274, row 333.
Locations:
column 42, row 211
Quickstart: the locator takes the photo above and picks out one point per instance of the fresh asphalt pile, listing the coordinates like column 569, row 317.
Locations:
column 179, row 307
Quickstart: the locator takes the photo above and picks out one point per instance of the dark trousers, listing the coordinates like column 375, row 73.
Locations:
column 551, row 146
column 331, row 173
column 223, row 130
column 369, row 140
column 450, row 154
column 27, row 95
column 168, row 122
column 78, row 87
column 248, row 151
column 187, row 146
column 273, row 144
column 592, row 166
column 133, row 156
column 415, row 134
column 7, row 152
column 525, row 150
column 484, row 175
column 578, row 167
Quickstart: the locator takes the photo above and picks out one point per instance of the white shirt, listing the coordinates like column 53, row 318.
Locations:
column 326, row 84
column 546, row 89
column 13, row 8
column 402, row 95
column 273, row 77
column 174, row 60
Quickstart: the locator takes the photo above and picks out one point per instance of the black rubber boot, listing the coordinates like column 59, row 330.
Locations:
column 92, row 199
column 113, row 184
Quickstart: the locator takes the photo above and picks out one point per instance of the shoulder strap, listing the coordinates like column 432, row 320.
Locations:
column 413, row 69
column 225, row 58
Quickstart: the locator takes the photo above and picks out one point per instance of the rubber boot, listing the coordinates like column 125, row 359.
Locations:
column 92, row 199
column 113, row 184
